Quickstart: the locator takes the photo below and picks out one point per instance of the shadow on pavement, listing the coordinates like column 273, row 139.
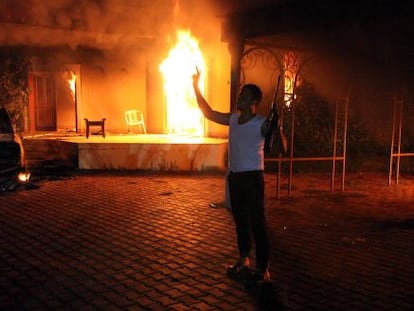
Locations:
column 268, row 299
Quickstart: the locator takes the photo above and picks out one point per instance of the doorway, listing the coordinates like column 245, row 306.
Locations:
column 53, row 101
column 44, row 101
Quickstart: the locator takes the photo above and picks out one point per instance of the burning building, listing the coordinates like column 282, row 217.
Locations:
column 98, row 59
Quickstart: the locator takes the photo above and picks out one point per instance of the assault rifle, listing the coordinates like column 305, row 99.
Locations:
column 273, row 120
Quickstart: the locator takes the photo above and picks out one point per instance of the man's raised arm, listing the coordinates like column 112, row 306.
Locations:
column 215, row 116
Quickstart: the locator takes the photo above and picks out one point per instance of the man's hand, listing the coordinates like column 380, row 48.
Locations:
column 196, row 77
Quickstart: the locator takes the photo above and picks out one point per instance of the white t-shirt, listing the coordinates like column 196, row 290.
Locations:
column 246, row 144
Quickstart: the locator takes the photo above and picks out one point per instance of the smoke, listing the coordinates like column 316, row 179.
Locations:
column 101, row 23
column 94, row 23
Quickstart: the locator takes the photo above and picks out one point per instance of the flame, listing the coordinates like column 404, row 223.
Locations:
column 290, row 63
column 289, row 78
column 72, row 84
column 183, row 114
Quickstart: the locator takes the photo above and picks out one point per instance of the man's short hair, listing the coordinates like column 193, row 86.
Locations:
column 255, row 91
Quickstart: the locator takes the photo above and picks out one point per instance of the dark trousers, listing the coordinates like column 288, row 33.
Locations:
column 247, row 203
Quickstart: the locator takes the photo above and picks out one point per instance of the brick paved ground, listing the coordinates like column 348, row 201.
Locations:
column 141, row 241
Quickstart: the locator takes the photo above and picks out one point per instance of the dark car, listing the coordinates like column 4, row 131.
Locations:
column 12, row 165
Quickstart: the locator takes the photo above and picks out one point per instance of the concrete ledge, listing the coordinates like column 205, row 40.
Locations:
column 141, row 152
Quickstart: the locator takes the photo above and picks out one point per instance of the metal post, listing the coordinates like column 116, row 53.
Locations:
column 394, row 120
column 292, row 135
column 400, row 104
column 279, row 164
column 334, row 147
column 345, row 140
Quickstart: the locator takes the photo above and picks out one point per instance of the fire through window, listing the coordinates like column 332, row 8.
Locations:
column 290, row 62
column 183, row 115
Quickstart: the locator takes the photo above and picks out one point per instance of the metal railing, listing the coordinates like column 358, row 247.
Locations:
column 396, row 137
column 338, row 154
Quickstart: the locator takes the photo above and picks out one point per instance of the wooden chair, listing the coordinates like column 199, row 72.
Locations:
column 90, row 123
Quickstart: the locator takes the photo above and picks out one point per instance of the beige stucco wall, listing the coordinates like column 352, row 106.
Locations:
column 110, row 85
column 218, row 88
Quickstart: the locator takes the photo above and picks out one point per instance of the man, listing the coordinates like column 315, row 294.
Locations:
column 247, row 130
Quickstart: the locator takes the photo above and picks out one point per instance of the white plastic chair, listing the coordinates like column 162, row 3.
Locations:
column 135, row 118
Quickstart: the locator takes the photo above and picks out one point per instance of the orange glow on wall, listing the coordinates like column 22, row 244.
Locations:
column 183, row 115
